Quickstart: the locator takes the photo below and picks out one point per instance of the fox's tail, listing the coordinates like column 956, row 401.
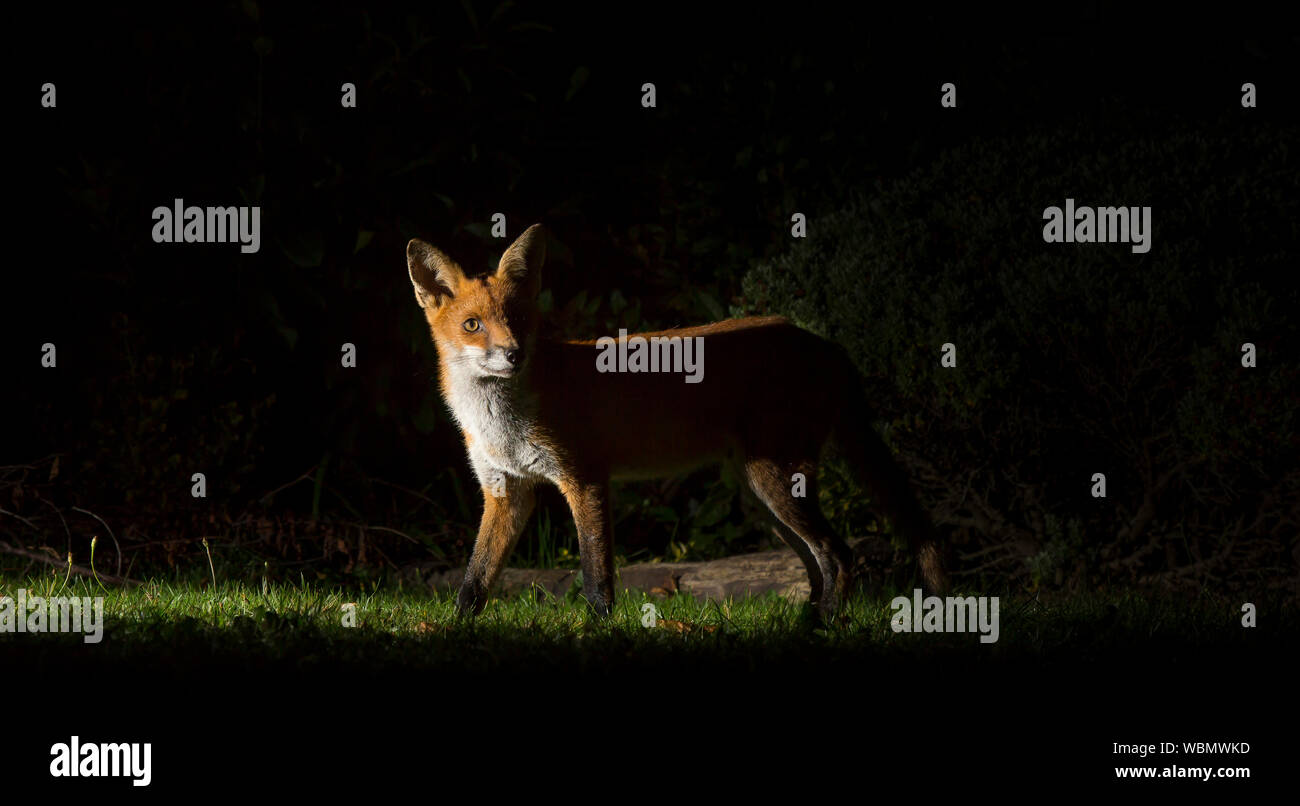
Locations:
column 875, row 469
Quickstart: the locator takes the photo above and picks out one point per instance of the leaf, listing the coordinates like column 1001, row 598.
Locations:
column 577, row 81
column 416, row 164
column 683, row 627
column 710, row 304
column 470, row 16
column 305, row 249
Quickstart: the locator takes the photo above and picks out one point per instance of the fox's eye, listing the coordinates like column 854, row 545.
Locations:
column 471, row 325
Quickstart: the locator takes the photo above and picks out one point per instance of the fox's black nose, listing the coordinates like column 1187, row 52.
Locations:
column 515, row 356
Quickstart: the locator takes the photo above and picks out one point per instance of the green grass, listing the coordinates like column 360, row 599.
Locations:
column 191, row 624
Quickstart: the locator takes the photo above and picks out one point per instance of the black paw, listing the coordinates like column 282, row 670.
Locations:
column 601, row 604
column 470, row 600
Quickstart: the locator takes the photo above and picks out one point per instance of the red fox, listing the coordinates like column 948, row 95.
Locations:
column 533, row 411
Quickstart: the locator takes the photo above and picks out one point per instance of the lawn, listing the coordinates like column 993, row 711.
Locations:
column 186, row 621
column 266, row 678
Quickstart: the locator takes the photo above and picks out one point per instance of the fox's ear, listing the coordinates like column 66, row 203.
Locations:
column 434, row 275
column 522, row 262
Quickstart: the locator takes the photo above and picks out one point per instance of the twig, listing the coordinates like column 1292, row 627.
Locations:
column 76, row 569
column 66, row 530
column 21, row 518
column 306, row 475
column 1008, row 546
column 386, row 529
column 983, row 566
column 415, row 493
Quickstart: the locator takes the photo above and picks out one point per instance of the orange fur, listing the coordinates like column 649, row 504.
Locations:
column 532, row 411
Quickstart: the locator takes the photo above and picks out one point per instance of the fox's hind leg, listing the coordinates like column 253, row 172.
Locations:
column 772, row 481
column 788, row 536
column 797, row 543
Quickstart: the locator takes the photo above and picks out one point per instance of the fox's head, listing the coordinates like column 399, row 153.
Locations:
column 486, row 325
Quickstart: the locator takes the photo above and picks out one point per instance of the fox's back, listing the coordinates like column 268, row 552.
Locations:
column 756, row 376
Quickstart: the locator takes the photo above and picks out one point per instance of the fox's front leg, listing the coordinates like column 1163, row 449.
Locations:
column 507, row 503
column 591, row 515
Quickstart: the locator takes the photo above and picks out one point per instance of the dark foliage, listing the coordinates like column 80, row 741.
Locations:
column 1079, row 359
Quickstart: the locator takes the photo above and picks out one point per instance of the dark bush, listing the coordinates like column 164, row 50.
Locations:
column 1074, row 359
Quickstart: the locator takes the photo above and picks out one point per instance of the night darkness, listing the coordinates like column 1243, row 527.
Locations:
column 925, row 227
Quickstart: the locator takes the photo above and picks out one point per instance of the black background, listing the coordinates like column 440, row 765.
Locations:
column 158, row 105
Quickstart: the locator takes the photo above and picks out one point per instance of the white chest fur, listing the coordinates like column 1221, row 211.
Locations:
column 501, row 423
